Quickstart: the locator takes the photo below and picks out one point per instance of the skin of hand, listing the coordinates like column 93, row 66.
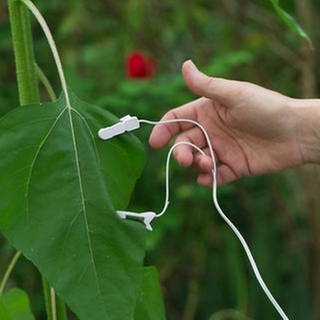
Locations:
column 253, row 130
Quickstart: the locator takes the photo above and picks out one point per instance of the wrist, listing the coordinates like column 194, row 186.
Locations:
column 307, row 113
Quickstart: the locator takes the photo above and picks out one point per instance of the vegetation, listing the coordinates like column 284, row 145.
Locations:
column 202, row 269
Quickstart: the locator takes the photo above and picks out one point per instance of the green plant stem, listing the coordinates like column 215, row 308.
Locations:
column 9, row 270
column 53, row 304
column 45, row 28
column 23, row 52
column 55, row 307
column 47, row 298
column 28, row 90
column 61, row 309
column 46, row 83
column 25, row 66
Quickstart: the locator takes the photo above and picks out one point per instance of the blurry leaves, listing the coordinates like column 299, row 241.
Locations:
column 291, row 23
column 228, row 315
column 14, row 305
column 75, row 18
column 135, row 13
column 147, row 98
column 222, row 66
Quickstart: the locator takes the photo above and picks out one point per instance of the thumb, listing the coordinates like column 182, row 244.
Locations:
column 214, row 88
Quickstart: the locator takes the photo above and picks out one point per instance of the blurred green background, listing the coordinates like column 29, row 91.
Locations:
column 203, row 270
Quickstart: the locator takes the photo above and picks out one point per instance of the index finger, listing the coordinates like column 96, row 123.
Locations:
column 162, row 133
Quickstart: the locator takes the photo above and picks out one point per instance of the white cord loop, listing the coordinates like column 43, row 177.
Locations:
column 214, row 196
column 166, row 202
column 216, row 203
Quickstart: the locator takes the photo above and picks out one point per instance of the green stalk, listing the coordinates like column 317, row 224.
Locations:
column 28, row 94
column 61, row 309
column 8, row 271
column 55, row 307
column 23, row 52
column 47, row 298
column 46, row 83
column 25, row 68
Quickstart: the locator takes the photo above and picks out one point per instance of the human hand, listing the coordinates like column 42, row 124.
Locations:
column 253, row 130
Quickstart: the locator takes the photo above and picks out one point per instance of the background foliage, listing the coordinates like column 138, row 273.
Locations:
column 203, row 270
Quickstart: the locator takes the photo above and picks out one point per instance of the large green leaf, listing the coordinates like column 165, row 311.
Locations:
column 291, row 23
column 14, row 305
column 150, row 304
column 57, row 184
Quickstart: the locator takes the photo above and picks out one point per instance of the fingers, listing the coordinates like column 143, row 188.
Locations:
column 162, row 133
column 225, row 91
column 204, row 163
column 224, row 175
column 205, row 180
column 184, row 154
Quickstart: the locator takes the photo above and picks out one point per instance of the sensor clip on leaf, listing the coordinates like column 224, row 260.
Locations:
column 126, row 123
column 146, row 217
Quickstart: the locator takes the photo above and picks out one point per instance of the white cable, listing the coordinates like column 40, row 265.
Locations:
column 216, row 203
column 166, row 202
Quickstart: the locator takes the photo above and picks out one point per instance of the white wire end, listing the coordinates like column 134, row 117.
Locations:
column 127, row 123
column 146, row 217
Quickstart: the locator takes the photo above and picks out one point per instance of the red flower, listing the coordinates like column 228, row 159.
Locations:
column 140, row 66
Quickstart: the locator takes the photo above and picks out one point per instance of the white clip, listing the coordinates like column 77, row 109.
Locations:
column 126, row 123
column 147, row 217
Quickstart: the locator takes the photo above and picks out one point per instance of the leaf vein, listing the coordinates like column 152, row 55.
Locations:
column 83, row 202
column 90, row 132
column 35, row 159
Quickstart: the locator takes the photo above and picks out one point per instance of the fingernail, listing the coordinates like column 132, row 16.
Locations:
column 191, row 63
